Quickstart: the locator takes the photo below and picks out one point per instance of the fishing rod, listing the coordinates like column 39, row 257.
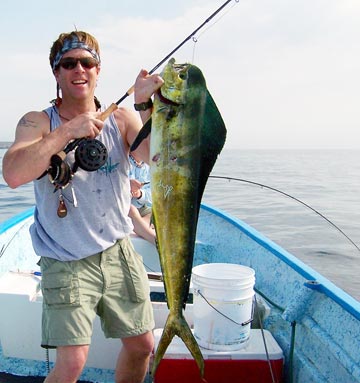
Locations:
column 91, row 154
column 293, row 198
column 115, row 105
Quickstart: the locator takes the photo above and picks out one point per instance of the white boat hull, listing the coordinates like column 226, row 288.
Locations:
column 315, row 323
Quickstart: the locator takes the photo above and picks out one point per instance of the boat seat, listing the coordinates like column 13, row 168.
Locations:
column 20, row 322
column 25, row 285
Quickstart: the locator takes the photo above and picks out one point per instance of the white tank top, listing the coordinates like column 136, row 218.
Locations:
column 103, row 203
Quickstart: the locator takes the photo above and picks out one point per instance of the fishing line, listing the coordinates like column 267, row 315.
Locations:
column 82, row 141
column 195, row 39
column 293, row 198
column 115, row 105
column 6, row 245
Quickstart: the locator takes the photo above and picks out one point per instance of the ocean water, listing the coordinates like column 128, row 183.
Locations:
column 13, row 201
column 322, row 198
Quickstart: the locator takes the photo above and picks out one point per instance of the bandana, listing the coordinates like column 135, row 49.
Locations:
column 70, row 44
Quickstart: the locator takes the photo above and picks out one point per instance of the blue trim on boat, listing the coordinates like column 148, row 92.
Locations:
column 347, row 302
column 9, row 223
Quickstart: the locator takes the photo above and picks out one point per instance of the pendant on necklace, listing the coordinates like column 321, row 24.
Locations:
column 62, row 210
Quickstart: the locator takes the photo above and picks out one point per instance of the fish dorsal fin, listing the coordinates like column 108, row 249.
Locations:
column 213, row 130
column 144, row 132
column 213, row 135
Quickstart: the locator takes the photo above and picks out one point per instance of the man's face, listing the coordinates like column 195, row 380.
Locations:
column 77, row 78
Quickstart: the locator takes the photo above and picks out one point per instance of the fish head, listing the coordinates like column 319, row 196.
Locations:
column 180, row 81
column 175, row 78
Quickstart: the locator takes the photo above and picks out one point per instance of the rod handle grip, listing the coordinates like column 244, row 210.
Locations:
column 130, row 90
column 104, row 115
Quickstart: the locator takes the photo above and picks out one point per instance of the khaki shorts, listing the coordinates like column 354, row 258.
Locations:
column 112, row 284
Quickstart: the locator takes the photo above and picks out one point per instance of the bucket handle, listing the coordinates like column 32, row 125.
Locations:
column 225, row 316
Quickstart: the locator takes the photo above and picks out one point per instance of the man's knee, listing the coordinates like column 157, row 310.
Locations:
column 141, row 345
column 70, row 362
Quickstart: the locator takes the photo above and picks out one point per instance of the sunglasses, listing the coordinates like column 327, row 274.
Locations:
column 71, row 62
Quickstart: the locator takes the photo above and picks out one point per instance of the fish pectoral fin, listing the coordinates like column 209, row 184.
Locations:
column 177, row 325
column 144, row 132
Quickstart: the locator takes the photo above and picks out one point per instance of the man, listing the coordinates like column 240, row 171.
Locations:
column 81, row 224
column 140, row 209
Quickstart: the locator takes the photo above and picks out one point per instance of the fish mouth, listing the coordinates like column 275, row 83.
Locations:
column 179, row 67
column 165, row 100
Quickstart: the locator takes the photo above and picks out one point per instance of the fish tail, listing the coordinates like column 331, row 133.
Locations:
column 177, row 325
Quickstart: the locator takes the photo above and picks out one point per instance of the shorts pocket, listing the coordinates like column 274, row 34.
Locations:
column 60, row 290
column 135, row 276
column 59, row 284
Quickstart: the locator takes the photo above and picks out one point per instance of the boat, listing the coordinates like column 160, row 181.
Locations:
column 304, row 328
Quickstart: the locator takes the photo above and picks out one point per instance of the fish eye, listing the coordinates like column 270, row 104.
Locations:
column 182, row 76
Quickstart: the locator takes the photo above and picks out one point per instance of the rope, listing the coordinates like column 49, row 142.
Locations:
column 265, row 345
column 47, row 361
column 291, row 352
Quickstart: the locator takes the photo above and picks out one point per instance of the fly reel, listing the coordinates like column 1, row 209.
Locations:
column 60, row 173
column 90, row 155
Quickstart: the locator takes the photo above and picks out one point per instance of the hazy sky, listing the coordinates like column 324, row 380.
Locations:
column 284, row 73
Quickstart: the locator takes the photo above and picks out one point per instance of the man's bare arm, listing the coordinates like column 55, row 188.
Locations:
column 29, row 155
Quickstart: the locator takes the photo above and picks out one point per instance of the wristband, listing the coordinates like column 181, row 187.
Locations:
column 143, row 105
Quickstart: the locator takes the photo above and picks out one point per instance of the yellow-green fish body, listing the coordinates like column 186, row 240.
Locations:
column 187, row 134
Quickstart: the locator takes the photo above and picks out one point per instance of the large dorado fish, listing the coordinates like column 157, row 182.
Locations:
column 187, row 134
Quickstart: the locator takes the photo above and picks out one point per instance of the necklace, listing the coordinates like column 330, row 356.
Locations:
column 64, row 118
column 60, row 115
column 97, row 105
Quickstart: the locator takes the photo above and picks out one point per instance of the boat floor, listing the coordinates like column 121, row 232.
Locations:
column 8, row 378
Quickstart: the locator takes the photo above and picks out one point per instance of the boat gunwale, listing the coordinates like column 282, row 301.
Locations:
column 16, row 219
column 323, row 285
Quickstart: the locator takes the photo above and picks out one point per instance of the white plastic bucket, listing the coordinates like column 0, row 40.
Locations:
column 223, row 305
